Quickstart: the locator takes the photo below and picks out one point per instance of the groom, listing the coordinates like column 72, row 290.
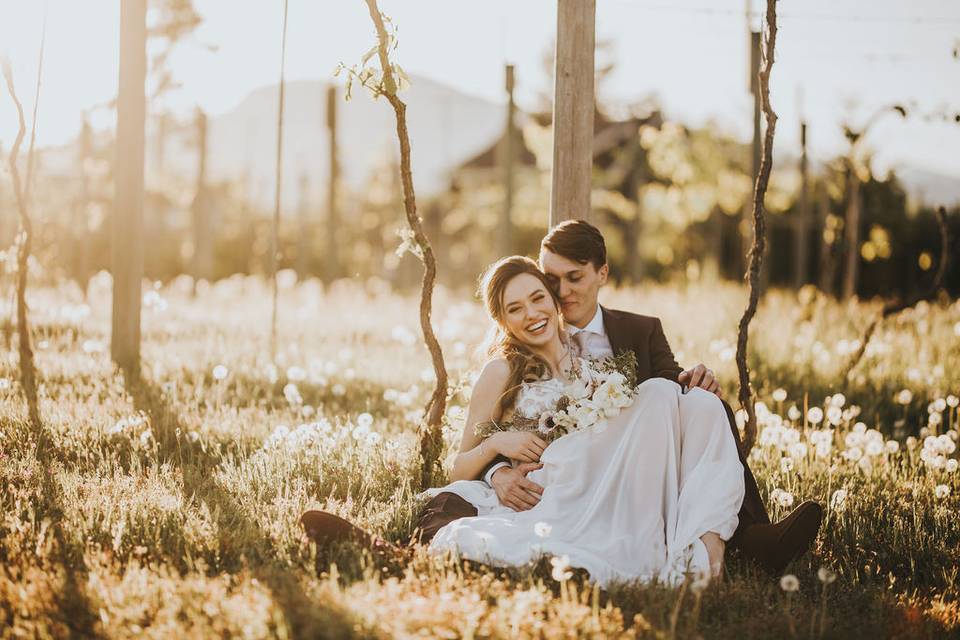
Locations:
column 573, row 255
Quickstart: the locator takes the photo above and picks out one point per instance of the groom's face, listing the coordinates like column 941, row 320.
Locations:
column 578, row 285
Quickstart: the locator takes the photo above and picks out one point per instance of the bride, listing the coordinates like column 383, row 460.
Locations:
column 641, row 499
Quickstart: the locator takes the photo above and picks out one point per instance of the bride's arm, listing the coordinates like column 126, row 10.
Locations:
column 476, row 454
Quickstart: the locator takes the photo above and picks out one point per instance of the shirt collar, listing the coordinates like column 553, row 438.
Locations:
column 594, row 326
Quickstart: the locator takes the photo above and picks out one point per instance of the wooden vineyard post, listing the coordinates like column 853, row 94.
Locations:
column 331, row 265
column 127, row 252
column 573, row 107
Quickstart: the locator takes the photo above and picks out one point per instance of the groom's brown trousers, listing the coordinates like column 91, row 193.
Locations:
column 446, row 507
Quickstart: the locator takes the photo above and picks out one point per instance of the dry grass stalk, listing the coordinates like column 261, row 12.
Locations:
column 28, row 371
column 431, row 440
column 759, row 224
column 896, row 306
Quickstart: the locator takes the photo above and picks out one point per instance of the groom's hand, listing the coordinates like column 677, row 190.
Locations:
column 701, row 376
column 514, row 490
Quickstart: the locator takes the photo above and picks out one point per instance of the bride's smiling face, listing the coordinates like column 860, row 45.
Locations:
column 530, row 314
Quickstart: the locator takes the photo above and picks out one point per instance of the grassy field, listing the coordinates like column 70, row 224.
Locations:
column 168, row 504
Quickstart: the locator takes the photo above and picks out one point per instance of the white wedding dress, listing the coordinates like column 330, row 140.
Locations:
column 626, row 502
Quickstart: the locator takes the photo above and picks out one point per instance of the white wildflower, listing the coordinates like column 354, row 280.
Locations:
column 905, row 396
column 220, row 372
column 561, row 566
column 365, row 420
column 790, row 583
column 825, row 575
column 838, row 501
column 780, row 395
column 815, row 415
column 941, row 491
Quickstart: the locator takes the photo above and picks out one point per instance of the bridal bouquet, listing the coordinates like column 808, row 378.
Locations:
column 598, row 391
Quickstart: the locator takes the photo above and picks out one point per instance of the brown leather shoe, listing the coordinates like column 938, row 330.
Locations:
column 774, row 546
column 325, row 528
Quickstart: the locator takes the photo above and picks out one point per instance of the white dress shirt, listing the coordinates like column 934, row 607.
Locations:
column 594, row 342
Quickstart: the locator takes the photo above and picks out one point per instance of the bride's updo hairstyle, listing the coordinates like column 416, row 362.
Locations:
column 525, row 366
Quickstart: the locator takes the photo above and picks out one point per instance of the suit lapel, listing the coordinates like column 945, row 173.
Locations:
column 614, row 331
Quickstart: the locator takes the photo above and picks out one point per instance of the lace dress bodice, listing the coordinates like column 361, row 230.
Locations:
column 536, row 397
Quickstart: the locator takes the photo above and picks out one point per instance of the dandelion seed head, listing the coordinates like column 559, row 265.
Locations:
column 789, row 583
column 941, row 491
column 780, row 395
column 825, row 575
column 542, row 529
column 220, row 372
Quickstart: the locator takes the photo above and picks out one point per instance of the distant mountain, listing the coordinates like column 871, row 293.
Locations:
column 446, row 127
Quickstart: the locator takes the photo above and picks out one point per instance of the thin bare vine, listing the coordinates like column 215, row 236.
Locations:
column 896, row 306
column 759, row 223
column 387, row 82
column 28, row 371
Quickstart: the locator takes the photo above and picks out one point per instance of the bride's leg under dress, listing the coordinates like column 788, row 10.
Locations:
column 710, row 472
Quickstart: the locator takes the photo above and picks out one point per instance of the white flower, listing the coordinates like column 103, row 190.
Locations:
column 892, row 446
column 781, row 497
column 798, row 450
column 786, row 465
column 874, row 448
column 561, row 566
column 941, row 491
column 815, row 415
column 145, row 437
column 292, row 394
column 789, row 583
column 542, row 529
column 951, row 466
column 838, row 400
column 911, row 442
column 220, row 372
column 953, row 401
column 780, row 395
column 853, row 454
column 360, row 431
column 946, row 444
column 937, row 405
column 838, row 501
column 4, row 384
column 365, row 420
column 860, row 428
column 905, row 396
column 934, row 419
column 794, row 413
column 834, row 415
column 853, row 439
column 578, row 389
column 296, row 374
column 825, row 575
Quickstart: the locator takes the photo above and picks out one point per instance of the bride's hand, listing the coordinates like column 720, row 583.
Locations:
column 519, row 445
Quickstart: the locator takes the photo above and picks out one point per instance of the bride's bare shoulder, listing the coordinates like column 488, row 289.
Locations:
column 495, row 370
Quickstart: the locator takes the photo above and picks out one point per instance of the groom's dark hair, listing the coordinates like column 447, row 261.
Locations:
column 576, row 240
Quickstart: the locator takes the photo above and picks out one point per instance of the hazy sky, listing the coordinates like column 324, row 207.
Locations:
column 837, row 60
